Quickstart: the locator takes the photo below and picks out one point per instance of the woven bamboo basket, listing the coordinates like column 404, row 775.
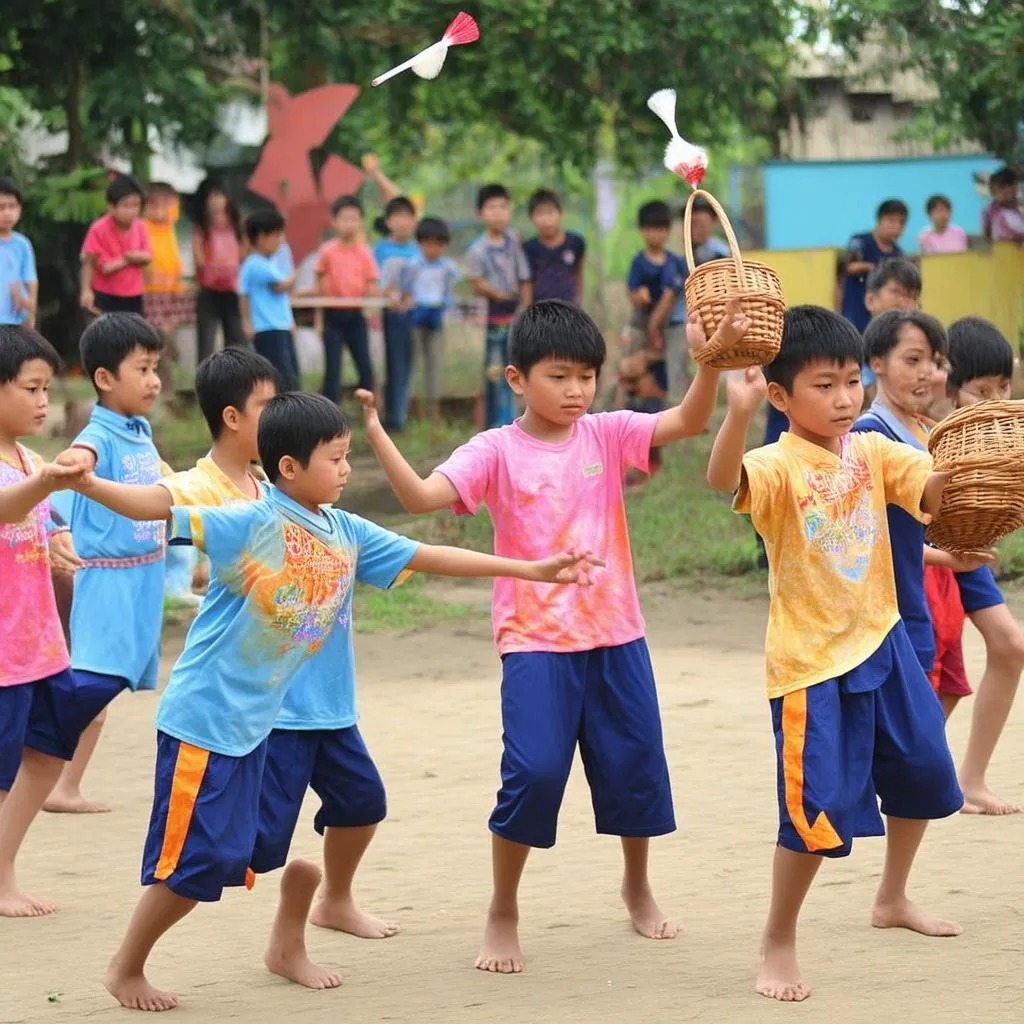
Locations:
column 710, row 286
column 983, row 446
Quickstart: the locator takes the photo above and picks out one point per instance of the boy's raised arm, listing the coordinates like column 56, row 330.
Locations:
column 569, row 567
column 133, row 501
column 745, row 391
column 19, row 499
column 416, row 494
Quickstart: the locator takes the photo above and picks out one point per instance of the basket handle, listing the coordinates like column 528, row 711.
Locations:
column 723, row 217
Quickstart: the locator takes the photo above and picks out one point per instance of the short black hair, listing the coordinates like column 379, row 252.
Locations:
column 108, row 341
column 227, row 378
column 555, row 329
column 901, row 270
column 19, row 344
column 295, row 423
column 654, row 214
column 433, row 229
column 977, row 348
column 262, row 222
column 937, row 200
column 544, row 197
column 400, row 204
column 883, row 333
column 8, row 187
column 123, row 186
column 344, row 203
column 892, row 208
column 813, row 334
column 1004, row 176
column 701, row 205
column 489, row 192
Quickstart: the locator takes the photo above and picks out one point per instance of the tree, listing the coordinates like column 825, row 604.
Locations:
column 971, row 50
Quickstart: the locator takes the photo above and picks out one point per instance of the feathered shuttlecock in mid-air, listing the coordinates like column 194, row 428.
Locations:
column 681, row 157
column 428, row 63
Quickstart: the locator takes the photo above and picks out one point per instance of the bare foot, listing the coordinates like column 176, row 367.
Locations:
column 74, row 803
column 500, row 953
column 779, row 976
column 135, row 993
column 345, row 916
column 14, row 903
column 286, row 952
column 646, row 916
column 981, row 800
column 904, row 914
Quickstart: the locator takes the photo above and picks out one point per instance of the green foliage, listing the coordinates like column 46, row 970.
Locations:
column 76, row 197
column 972, row 50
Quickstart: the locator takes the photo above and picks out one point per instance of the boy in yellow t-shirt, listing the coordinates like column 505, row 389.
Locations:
column 855, row 717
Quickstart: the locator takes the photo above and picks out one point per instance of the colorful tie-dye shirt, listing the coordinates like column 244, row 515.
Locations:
column 547, row 498
column 281, row 593
column 32, row 643
column 823, row 521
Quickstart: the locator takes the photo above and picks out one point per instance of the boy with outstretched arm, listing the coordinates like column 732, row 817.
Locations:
column 284, row 568
column 854, row 715
column 575, row 667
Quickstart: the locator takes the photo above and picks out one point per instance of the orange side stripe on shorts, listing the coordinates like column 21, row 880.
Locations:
column 189, row 769
column 821, row 835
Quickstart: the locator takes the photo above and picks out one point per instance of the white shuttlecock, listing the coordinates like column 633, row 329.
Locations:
column 681, row 157
column 428, row 63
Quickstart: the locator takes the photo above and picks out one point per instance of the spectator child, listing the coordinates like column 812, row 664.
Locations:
column 426, row 286
column 498, row 270
column 265, row 281
column 346, row 269
column 942, row 236
column 216, row 250
column 1002, row 220
column 19, row 285
column 866, row 251
column 703, row 223
column 115, row 251
column 392, row 255
column 555, row 256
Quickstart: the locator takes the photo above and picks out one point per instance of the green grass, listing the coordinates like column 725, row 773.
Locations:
column 403, row 609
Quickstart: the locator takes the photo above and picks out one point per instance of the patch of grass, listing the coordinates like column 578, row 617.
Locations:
column 403, row 609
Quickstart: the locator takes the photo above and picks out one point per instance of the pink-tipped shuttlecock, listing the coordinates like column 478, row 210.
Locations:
column 681, row 157
column 428, row 63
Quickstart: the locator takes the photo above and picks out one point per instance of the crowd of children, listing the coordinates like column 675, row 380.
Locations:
column 863, row 657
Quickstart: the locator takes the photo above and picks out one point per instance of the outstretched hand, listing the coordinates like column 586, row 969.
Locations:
column 734, row 325
column 745, row 390
column 568, row 567
column 78, row 459
column 57, row 475
column 368, row 400
column 696, row 336
column 968, row 561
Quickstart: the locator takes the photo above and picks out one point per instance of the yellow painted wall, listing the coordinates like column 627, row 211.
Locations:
column 988, row 284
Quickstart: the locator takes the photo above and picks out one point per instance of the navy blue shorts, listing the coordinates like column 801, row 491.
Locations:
column 877, row 732
column 979, row 590
column 205, row 818
column 337, row 766
column 605, row 701
column 50, row 715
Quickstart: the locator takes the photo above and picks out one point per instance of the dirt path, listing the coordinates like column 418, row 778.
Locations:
column 430, row 715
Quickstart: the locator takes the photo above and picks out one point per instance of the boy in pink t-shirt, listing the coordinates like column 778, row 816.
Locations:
column 575, row 668
column 114, row 252
column 39, row 709
column 942, row 236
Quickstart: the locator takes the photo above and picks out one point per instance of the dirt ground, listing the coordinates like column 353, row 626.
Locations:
column 430, row 715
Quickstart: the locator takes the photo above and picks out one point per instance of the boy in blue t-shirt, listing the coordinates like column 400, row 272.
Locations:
column 866, row 251
column 280, row 594
column 19, row 286
column 266, row 278
column 555, row 256
column 122, row 578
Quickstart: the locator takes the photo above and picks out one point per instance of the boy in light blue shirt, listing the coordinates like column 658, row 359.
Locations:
column 281, row 591
column 122, row 578
column 19, row 285
column 264, row 283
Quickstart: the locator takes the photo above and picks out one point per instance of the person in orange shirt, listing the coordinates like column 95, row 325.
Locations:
column 346, row 269
column 854, row 715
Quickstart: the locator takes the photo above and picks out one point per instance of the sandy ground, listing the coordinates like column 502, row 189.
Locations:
column 430, row 715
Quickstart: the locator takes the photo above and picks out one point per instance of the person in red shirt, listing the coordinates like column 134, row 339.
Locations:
column 115, row 250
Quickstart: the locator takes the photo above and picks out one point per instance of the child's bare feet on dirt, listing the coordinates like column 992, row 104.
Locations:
column 135, row 993
column 74, row 803
column 904, row 914
column 344, row 916
column 500, row 953
column 286, row 952
column 646, row 915
column 14, row 903
column 981, row 800
column 779, row 976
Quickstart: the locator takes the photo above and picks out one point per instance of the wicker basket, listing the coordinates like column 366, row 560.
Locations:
column 983, row 446
column 710, row 286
